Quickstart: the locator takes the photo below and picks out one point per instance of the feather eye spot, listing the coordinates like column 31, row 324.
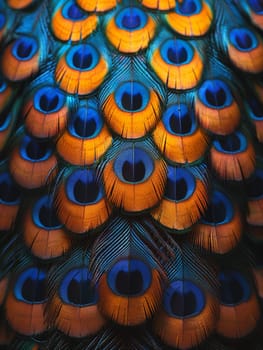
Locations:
column 185, row 199
column 129, row 277
column 256, row 5
column 9, row 192
column 25, row 48
column 137, row 179
column 77, row 288
column 81, row 205
column 220, row 209
column 134, row 166
column 131, row 18
column 47, row 104
column 177, row 56
column 70, row 22
column 21, row 58
column 177, row 63
column 178, row 120
column 130, row 22
column 238, row 303
column 132, row 96
column 234, row 288
column 73, row 12
column 133, row 109
column 131, row 102
column 86, row 139
column 49, row 99
column 133, row 172
column 30, row 286
column 216, row 97
column 243, row 39
column 46, row 112
column 83, row 188
column 85, row 123
column 180, row 184
column 220, row 228
column 188, row 7
column 233, row 156
column 229, row 144
column 33, row 162
column 245, row 48
column 176, row 52
column 35, row 150
column 44, row 214
column 178, row 130
column 130, row 30
column 81, row 69
column 82, row 60
column 215, row 94
column 191, row 18
column 83, row 57
column 233, row 143
column 183, row 299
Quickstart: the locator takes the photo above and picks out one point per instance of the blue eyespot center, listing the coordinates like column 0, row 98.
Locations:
column 44, row 214
column 25, row 48
column 131, row 22
column 49, row 99
column 177, row 55
column 129, row 277
column 83, row 188
column 234, row 288
column 180, row 184
column 78, row 289
column 132, row 96
column 183, row 299
column 82, row 60
column 256, row 5
column 35, row 150
column 188, row 7
column 30, row 286
column 215, row 94
column 131, row 102
column 83, row 57
column 47, row 104
column 133, row 172
column 133, row 165
column 179, row 120
column 231, row 144
column 243, row 39
column 9, row 192
column 220, row 209
column 177, row 52
column 85, row 123
column 73, row 12
column 131, row 18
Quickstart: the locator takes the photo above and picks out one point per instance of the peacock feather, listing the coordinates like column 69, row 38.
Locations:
column 131, row 174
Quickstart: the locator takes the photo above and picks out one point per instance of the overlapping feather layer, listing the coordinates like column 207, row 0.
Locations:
column 131, row 174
